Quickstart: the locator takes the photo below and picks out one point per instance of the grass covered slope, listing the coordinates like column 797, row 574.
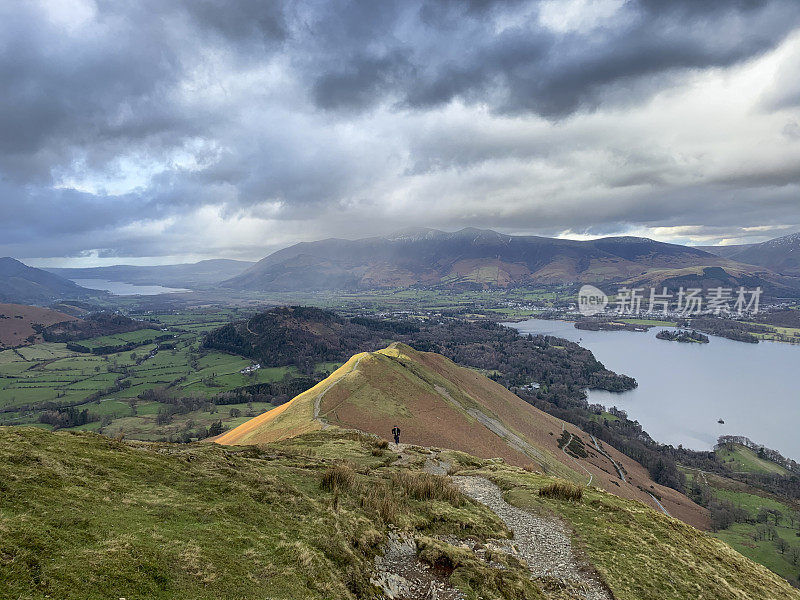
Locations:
column 84, row 516
column 744, row 460
column 438, row 403
column 21, row 284
column 374, row 391
column 296, row 417
column 641, row 553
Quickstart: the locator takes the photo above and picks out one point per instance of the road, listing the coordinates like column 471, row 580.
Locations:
column 620, row 472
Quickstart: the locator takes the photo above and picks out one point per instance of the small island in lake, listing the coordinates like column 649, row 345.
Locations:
column 682, row 335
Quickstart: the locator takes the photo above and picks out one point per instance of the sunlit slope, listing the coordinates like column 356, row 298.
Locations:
column 293, row 418
column 438, row 403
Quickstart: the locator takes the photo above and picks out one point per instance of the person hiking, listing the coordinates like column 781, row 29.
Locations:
column 396, row 434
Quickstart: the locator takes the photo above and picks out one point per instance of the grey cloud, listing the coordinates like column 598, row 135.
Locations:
column 792, row 130
column 264, row 22
column 344, row 122
column 528, row 68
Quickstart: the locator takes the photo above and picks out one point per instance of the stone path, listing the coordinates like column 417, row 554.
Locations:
column 619, row 469
column 543, row 543
column 403, row 576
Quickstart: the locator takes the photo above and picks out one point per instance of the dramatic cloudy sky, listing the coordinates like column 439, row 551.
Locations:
column 152, row 131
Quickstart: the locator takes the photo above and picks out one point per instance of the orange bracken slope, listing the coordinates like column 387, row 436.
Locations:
column 438, row 403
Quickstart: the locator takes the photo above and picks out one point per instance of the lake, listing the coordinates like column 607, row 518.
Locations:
column 118, row 288
column 685, row 388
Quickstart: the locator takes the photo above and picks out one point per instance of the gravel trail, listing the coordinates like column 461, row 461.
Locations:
column 543, row 543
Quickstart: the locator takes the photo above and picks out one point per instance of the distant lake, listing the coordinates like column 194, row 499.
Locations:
column 118, row 288
column 685, row 388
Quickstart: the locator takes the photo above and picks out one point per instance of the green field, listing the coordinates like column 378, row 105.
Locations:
column 49, row 376
column 197, row 321
column 778, row 334
column 757, row 538
column 745, row 460
column 422, row 302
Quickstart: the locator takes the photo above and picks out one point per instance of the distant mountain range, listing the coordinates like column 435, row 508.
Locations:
column 22, row 284
column 198, row 275
column 466, row 259
column 781, row 255
column 475, row 258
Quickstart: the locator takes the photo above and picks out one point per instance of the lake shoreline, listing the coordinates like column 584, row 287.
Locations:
column 122, row 288
column 684, row 389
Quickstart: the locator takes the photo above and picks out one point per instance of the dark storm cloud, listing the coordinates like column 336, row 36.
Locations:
column 99, row 90
column 114, row 114
column 526, row 67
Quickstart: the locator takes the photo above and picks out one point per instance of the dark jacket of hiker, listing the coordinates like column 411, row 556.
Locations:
column 396, row 434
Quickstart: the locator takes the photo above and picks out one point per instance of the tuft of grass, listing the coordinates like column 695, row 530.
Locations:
column 379, row 501
column 338, row 478
column 425, row 486
column 382, row 444
column 562, row 490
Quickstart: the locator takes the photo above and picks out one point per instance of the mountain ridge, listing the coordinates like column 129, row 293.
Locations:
column 204, row 273
column 477, row 258
column 438, row 403
column 21, row 284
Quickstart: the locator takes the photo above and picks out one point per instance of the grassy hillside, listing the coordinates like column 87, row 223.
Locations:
column 22, row 284
column 622, row 538
column 739, row 458
column 84, row 516
column 438, row 403
column 764, row 527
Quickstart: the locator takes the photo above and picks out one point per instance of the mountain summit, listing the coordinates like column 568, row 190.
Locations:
column 781, row 255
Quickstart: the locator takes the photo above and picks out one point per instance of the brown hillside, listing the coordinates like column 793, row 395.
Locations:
column 437, row 403
column 17, row 320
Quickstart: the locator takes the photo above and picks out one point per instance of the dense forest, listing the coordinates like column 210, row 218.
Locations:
column 780, row 318
column 295, row 336
column 304, row 337
column 682, row 335
column 728, row 328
